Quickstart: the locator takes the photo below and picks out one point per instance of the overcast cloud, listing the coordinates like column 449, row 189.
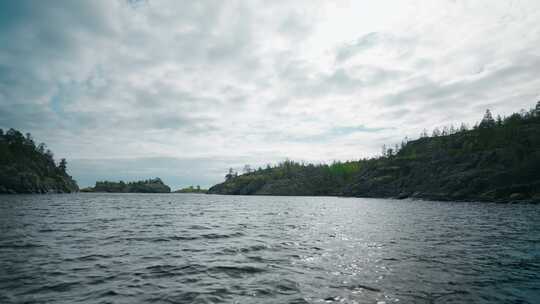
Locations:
column 185, row 89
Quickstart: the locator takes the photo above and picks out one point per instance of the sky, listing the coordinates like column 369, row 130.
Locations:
column 183, row 90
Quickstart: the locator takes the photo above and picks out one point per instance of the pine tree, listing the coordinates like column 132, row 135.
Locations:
column 499, row 120
column 230, row 174
column 62, row 165
column 487, row 121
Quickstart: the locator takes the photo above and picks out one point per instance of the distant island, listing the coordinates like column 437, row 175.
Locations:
column 192, row 189
column 154, row 185
column 496, row 160
column 29, row 168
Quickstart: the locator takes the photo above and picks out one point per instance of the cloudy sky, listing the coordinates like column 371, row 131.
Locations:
column 185, row 89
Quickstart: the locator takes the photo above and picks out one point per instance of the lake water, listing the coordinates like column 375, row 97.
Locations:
column 188, row 248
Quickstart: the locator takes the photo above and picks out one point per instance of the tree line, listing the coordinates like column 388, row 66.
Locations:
column 497, row 159
column 25, row 143
column 347, row 168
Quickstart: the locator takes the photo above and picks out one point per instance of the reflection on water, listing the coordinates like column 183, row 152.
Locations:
column 182, row 248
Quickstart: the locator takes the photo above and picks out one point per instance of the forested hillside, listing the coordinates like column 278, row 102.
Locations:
column 496, row 160
column 29, row 168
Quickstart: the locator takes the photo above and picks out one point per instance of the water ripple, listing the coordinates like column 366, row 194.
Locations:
column 118, row 248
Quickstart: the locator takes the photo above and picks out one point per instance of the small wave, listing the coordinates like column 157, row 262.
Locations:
column 358, row 287
column 183, row 238
column 160, row 240
column 236, row 271
column 108, row 293
column 94, row 257
column 248, row 249
column 334, row 299
column 46, row 230
column 254, row 248
column 199, row 227
column 20, row 246
column 171, row 270
column 60, row 287
column 287, row 287
column 191, row 297
column 221, row 236
column 298, row 301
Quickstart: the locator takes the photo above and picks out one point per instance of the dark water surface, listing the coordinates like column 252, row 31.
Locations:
column 182, row 248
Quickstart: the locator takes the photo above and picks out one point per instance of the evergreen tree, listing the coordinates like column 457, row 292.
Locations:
column 445, row 131
column 49, row 154
column 499, row 120
column 41, row 148
column 62, row 165
column 229, row 174
column 487, row 121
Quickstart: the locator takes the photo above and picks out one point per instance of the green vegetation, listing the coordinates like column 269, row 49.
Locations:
column 29, row 168
column 155, row 185
column 497, row 160
column 192, row 189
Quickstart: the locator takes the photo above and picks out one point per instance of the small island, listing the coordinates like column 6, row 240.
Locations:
column 154, row 185
column 192, row 189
